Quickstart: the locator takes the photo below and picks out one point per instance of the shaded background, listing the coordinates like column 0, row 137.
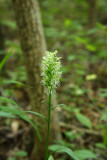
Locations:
column 78, row 30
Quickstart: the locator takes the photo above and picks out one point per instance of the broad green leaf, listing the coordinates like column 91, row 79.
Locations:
column 9, row 23
column 101, row 145
column 82, row 40
column 71, row 57
column 70, row 153
column 51, row 32
column 103, row 95
column 100, row 26
column 63, row 149
column 21, row 153
column 91, row 47
column 4, row 60
column 102, row 54
column 92, row 31
column 72, row 135
column 104, row 115
column 59, row 105
column 50, row 157
column 67, row 22
column 84, row 120
column 55, row 147
column 38, row 114
column 91, row 77
column 85, row 154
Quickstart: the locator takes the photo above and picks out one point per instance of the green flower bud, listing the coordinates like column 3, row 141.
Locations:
column 51, row 67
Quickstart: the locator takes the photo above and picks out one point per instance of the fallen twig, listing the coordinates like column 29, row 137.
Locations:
column 83, row 130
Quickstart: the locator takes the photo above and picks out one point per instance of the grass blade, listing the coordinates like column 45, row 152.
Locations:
column 4, row 60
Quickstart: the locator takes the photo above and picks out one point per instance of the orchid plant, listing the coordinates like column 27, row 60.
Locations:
column 51, row 67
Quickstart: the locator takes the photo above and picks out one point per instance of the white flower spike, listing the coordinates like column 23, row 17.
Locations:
column 51, row 67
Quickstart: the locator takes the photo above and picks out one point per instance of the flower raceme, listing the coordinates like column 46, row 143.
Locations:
column 51, row 67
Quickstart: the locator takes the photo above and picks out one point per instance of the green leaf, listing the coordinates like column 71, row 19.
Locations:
column 50, row 157
column 69, row 152
column 12, row 158
column 38, row 114
column 84, row 120
column 82, row 40
column 101, row 145
column 70, row 135
column 7, row 115
column 55, row 147
column 103, row 92
column 105, row 137
column 104, row 115
column 91, row 77
column 4, row 99
column 67, row 22
column 9, row 23
column 63, row 149
column 71, row 57
column 85, row 154
column 51, row 32
column 91, row 47
column 18, row 83
column 4, row 60
column 16, row 111
column 59, row 105
column 12, row 110
column 24, row 116
column 44, row 101
column 21, row 153
column 92, row 31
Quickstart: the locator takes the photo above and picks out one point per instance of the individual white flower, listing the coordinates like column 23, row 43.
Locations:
column 51, row 67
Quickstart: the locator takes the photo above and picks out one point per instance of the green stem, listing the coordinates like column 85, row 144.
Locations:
column 49, row 111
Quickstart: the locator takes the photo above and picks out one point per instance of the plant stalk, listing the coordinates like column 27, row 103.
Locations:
column 49, row 111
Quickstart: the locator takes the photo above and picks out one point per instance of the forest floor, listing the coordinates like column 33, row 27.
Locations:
column 77, row 132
